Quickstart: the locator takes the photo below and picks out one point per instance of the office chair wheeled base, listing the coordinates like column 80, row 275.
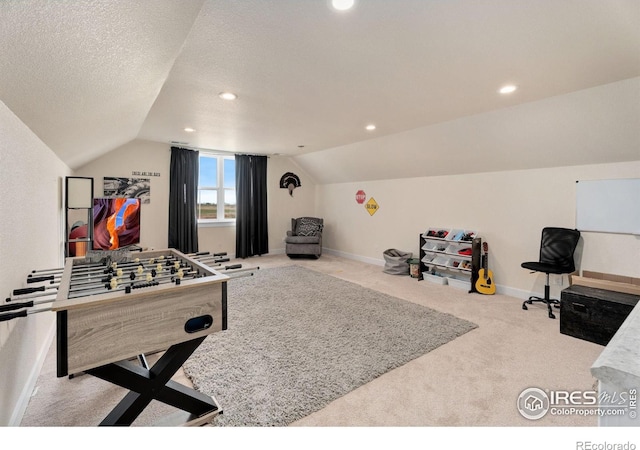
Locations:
column 548, row 301
column 555, row 303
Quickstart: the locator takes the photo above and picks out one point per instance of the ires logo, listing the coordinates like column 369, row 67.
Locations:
column 535, row 403
column 574, row 398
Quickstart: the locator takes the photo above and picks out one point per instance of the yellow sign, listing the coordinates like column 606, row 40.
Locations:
column 371, row 206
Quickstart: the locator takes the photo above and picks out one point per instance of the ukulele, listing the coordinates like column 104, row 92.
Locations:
column 484, row 283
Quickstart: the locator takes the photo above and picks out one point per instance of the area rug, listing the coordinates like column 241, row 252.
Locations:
column 298, row 339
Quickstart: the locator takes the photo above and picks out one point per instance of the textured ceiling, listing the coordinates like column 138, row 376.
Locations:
column 84, row 74
column 88, row 76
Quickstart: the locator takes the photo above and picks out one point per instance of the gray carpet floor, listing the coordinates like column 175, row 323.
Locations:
column 299, row 339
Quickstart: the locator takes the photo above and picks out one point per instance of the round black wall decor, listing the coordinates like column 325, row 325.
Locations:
column 290, row 181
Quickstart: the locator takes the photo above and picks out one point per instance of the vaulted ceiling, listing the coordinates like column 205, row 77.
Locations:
column 90, row 75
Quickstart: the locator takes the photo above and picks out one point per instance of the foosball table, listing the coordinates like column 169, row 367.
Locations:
column 108, row 313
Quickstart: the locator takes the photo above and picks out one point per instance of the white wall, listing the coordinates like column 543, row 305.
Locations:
column 509, row 209
column 283, row 207
column 146, row 156
column 139, row 156
column 501, row 181
column 32, row 180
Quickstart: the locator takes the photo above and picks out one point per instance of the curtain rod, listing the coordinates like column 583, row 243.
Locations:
column 215, row 152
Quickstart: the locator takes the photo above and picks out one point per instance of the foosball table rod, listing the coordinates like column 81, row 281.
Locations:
column 23, row 307
column 54, row 274
column 244, row 270
column 97, row 284
column 127, row 287
column 91, row 266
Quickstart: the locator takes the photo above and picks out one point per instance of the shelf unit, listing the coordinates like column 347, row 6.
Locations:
column 78, row 208
column 441, row 259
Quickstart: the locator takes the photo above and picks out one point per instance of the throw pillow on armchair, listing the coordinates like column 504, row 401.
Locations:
column 307, row 227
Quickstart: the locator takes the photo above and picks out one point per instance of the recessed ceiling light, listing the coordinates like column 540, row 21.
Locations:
column 227, row 95
column 370, row 127
column 189, row 130
column 508, row 89
column 342, row 5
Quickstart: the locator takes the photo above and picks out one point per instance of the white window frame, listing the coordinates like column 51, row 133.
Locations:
column 220, row 189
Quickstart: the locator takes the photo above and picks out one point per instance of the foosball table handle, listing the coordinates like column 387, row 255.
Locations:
column 14, row 306
column 31, row 279
column 28, row 290
column 9, row 316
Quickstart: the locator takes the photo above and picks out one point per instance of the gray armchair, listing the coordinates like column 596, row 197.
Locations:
column 305, row 237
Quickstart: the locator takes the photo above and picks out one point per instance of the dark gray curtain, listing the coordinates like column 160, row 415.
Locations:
column 252, row 234
column 183, row 199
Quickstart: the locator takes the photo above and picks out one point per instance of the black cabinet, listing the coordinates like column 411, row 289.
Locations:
column 593, row 314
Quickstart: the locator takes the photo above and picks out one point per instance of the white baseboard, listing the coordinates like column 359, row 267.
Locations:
column 503, row 290
column 364, row 259
column 29, row 386
column 517, row 293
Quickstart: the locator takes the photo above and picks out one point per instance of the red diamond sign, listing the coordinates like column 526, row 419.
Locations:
column 361, row 196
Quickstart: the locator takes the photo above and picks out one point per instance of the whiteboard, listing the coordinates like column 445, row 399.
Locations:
column 610, row 206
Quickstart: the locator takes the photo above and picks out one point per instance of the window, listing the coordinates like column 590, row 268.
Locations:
column 216, row 187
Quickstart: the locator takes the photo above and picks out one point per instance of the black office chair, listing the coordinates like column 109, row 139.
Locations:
column 556, row 256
